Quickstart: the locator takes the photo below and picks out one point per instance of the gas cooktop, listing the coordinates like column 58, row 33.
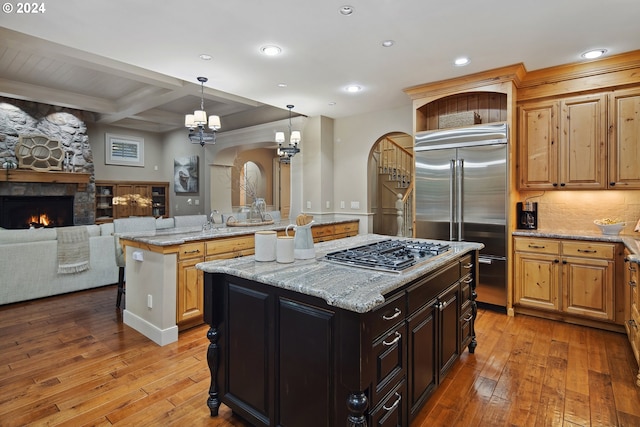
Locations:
column 388, row 255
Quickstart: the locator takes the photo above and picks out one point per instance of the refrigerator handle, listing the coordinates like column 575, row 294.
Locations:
column 452, row 201
column 460, row 208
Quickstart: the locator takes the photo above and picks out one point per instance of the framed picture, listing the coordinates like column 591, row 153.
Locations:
column 124, row 150
column 185, row 174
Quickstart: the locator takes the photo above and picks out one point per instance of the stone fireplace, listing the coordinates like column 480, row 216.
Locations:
column 55, row 123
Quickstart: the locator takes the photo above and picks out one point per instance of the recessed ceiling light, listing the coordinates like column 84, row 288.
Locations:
column 353, row 88
column 388, row 43
column 206, row 57
column 332, row 103
column 346, row 10
column 282, row 85
column 271, row 50
column 462, row 61
column 595, row 53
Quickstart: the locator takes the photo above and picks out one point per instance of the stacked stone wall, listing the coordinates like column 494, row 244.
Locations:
column 62, row 124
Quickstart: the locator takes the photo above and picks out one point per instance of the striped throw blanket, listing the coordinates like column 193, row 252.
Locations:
column 73, row 249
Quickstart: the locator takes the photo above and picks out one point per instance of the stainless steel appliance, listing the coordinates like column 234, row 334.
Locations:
column 388, row 255
column 461, row 195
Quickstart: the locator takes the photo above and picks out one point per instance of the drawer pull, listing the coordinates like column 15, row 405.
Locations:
column 441, row 305
column 395, row 340
column 467, row 266
column 396, row 314
column 395, row 404
column 631, row 268
column 588, row 251
column 466, row 319
column 632, row 283
column 633, row 324
column 468, row 280
column 195, row 251
column 536, row 246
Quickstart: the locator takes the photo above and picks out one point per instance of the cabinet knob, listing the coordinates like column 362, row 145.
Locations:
column 555, row 261
column 562, row 184
column 555, row 184
column 612, row 184
column 564, row 261
column 632, row 283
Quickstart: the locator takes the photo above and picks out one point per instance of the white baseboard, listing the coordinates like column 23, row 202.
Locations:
column 159, row 336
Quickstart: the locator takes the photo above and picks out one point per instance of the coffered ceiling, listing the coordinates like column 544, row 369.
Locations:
column 135, row 63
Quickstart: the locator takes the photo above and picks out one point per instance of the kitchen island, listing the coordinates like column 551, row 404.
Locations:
column 165, row 290
column 319, row 343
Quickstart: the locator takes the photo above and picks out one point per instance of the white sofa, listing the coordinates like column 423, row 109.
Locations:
column 29, row 260
column 29, row 264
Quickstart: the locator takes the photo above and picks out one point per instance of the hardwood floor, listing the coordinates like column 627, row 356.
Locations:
column 70, row 361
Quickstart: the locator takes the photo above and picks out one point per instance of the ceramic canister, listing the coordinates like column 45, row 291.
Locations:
column 265, row 245
column 284, row 249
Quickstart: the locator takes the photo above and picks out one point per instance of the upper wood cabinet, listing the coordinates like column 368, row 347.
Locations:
column 624, row 139
column 562, row 143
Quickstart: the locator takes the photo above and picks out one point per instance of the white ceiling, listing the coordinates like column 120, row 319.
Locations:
column 135, row 63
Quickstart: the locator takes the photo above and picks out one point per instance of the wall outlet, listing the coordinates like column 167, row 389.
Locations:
column 308, row 204
column 355, row 205
column 149, row 301
column 197, row 202
column 328, row 204
column 342, row 204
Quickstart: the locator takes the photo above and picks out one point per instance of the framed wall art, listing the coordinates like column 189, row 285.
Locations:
column 124, row 150
column 185, row 174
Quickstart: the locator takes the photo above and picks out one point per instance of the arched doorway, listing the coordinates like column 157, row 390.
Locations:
column 390, row 172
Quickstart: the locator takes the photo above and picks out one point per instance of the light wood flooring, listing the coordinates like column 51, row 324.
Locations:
column 70, row 361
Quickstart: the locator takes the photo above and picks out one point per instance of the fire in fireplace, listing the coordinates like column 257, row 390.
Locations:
column 35, row 211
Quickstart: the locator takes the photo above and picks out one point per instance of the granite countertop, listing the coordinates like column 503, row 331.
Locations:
column 631, row 241
column 178, row 236
column 351, row 288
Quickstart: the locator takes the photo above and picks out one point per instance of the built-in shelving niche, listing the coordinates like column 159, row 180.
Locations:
column 491, row 106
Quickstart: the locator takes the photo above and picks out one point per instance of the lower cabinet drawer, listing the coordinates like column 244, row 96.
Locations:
column 390, row 362
column 588, row 249
column 392, row 411
column 466, row 331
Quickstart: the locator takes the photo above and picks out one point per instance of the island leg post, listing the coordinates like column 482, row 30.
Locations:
column 213, row 402
column 357, row 403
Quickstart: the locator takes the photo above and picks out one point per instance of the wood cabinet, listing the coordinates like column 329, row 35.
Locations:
column 278, row 357
column 632, row 308
column 566, row 276
column 119, row 199
column 562, row 143
column 189, row 296
column 189, row 282
column 624, row 139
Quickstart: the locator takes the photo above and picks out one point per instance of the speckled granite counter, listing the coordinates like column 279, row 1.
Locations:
column 351, row 288
column 631, row 241
column 178, row 236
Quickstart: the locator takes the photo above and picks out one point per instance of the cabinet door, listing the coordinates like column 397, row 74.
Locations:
column 104, row 202
column 449, row 328
column 538, row 145
column 583, row 142
column 190, row 294
column 624, row 139
column 536, row 280
column 588, row 287
column 133, row 200
column 422, row 375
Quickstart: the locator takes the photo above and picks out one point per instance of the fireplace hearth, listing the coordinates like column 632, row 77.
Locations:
column 20, row 212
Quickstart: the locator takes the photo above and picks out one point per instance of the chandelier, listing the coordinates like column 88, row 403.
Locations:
column 287, row 152
column 197, row 122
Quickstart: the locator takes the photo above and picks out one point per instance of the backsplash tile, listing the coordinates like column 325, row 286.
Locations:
column 576, row 210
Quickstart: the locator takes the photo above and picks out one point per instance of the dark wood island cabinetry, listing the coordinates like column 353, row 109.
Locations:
column 284, row 352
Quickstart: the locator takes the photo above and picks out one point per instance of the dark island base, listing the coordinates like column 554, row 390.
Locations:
column 270, row 346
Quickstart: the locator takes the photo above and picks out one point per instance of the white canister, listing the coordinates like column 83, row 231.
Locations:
column 265, row 245
column 284, row 249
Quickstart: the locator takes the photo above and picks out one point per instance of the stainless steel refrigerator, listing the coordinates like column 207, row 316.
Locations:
column 461, row 195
